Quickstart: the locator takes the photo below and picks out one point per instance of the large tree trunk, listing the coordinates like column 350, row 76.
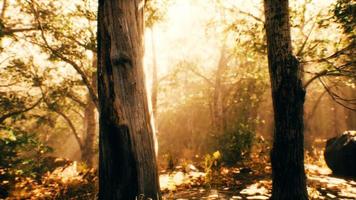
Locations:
column 287, row 156
column 127, row 162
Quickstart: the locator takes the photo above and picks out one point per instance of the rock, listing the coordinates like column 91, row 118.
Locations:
column 190, row 168
column 245, row 170
column 3, row 193
column 340, row 154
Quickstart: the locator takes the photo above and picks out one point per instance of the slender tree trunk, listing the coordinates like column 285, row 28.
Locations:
column 287, row 155
column 127, row 162
column 90, row 127
column 154, row 76
column 218, row 110
column 90, row 130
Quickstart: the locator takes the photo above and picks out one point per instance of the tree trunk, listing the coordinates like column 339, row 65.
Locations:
column 218, row 109
column 154, row 76
column 287, row 155
column 88, row 152
column 127, row 162
column 90, row 131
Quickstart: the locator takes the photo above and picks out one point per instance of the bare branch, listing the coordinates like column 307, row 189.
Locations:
column 78, row 113
column 300, row 51
column 8, row 31
column 318, row 75
column 201, row 76
column 338, row 99
column 334, row 55
column 338, row 71
column 76, row 99
column 71, row 126
column 251, row 15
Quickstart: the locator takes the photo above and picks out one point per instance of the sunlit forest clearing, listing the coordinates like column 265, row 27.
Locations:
column 177, row 99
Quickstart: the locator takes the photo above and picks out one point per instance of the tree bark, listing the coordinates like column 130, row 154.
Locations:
column 90, row 126
column 127, row 162
column 287, row 155
column 90, row 130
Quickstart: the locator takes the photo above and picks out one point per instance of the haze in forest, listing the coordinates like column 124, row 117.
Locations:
column 208, row 85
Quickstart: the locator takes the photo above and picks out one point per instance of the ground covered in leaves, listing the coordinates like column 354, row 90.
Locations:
column 250, row 180
column 70, row 181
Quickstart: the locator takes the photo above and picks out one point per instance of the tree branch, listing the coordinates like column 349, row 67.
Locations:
column 3, row 9
column 76, row 99
column 66, row 118
column 339, row 100
column 9, row 84
column 251, row 15
column 8, row 31
column 4, row 117
column 318, row 75
column 201, row 75
column 84, row 77
column 334, row 55
column 71, row 126
column 305, row 41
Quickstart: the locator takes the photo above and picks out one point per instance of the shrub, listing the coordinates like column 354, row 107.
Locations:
column 211, row 166
column 22, row 155
column 235, row 145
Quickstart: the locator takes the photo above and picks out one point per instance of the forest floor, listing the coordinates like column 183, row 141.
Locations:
column 250, row 181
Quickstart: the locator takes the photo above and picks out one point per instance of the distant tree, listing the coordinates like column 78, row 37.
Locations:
column 287, row 155
column 155, row 11
column 67, row 42
column 127, row 162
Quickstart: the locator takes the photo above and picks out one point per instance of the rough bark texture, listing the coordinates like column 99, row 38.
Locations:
column 127, row 162
column 287, row 156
